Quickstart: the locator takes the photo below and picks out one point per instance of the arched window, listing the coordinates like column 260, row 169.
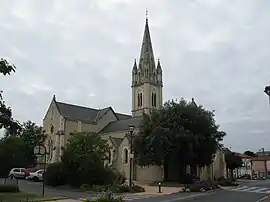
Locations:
column 154, row 99
column 52, row 129
column 140, row 99
column 110, row 157
column 125, row 156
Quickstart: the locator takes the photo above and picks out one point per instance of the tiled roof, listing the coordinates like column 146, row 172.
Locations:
column 260, row 158
column 122, row 125
column 243, row 156
column 84, row 113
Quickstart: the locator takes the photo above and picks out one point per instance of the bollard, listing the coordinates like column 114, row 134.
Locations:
column 159, row 187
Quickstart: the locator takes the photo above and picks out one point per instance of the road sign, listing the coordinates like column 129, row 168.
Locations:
column 39, row 150
column 131, row 156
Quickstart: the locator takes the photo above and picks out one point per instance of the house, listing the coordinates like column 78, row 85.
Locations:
column 260, row 165
column 246, row 168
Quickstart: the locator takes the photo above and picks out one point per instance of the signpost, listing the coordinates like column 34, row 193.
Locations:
column 40, row 150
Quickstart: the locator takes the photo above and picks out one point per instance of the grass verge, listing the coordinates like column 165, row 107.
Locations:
column 22, row 196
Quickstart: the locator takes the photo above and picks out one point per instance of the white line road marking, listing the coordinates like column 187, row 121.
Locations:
column 261, row 190
column 262, row 199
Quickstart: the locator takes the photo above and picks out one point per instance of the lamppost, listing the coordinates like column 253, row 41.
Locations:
column 131, row 155
column 267, row 90
column 40, row 150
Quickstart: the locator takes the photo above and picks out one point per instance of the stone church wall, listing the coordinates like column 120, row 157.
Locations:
column 149, row 174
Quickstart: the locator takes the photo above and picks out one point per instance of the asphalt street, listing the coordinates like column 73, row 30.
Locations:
column 246, row 192
column 36, row 187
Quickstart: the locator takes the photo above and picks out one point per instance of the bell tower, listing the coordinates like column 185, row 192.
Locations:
column 147, row 81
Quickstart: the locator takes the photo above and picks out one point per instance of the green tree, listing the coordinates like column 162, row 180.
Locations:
column 12, row 154
column 233, row 161
column 179, row 133
column 250, row 153
column 6, row 120
column 31, row 135
column 83, row 159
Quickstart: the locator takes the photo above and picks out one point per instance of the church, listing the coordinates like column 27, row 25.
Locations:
column 61, row 119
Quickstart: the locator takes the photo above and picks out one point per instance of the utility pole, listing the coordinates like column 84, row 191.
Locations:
column 265, row 163
column 267, row 92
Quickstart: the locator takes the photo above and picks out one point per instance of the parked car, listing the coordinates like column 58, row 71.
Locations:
column 17, row 173
column 36, row 175
column 29, row 170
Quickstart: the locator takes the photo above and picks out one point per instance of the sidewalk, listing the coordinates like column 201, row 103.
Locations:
column 149, row 191
column 164, row 190
column 67, row 200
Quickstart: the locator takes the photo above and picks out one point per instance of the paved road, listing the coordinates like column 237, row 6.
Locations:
column 248, row 192
column 36, row 187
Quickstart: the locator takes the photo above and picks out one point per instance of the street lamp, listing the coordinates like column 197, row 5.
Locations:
column 131, row 155
column 267, row 90
column 40, row 150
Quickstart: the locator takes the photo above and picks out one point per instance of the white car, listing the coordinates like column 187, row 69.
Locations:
column 36, row 176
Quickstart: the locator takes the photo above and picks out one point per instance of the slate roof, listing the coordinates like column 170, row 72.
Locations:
column 85, row 113
column 122, row 125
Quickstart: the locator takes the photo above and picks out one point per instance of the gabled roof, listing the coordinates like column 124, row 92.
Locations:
column 77, row 112
column 116, row 141
column 122, row 125
column 85, row 113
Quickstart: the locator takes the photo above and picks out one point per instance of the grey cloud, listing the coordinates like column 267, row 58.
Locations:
column 83, row 51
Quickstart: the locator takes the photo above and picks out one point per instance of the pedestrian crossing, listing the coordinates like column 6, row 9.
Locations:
column 259, row 190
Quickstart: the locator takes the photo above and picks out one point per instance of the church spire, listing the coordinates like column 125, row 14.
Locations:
column 147, row 54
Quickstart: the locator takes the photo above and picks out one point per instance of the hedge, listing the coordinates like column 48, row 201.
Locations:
column 12, row 188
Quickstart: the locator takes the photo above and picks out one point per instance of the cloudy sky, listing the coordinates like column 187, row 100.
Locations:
column 216, row 51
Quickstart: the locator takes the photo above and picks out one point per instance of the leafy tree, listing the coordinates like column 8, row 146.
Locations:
column 6, row 120
column 83, row 159
column 178, row 132
column 12, row 154
column 233, row 161
column 250, row 153
column 31, row 135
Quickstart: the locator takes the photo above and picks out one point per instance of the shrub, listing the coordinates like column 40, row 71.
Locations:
column 116, row 188
column 200, row 186
column 105, row 199
column 137, row 189
column 85, row 187
column 9, row 188
column 227, row 182
column 55, row 175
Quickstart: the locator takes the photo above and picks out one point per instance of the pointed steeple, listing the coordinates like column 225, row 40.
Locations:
column 135, row 69
column 193, row 103
column 147, row 54
column 159, row 69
